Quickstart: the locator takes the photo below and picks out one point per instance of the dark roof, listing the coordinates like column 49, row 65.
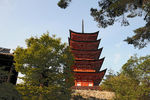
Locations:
column 84, row 41
column 4, row 50
column 100, row 49
column 84, row 33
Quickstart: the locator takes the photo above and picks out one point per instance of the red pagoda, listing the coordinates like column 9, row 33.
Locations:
column 86, row 68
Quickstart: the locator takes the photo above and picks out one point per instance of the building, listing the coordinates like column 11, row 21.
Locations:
column 86, row 68
column 7, row 69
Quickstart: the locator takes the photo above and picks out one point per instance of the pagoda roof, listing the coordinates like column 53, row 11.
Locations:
column 83, row 36
column 88, row 64
column 88, row 54
column 91, row 60
column 84, row 41
column 92, row 33
column 84, row 45
column 95, row 76
column 6, row 54
column 87, row 50
column 6, row 58
column 4, row 50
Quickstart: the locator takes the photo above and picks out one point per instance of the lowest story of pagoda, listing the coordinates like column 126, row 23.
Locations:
column 87, row 65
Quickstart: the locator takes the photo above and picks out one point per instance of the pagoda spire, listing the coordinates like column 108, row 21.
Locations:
column 82, row 26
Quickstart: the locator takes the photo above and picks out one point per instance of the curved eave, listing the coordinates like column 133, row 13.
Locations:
column 82, row 33
column 92, row 60
column 98, row 69
column 98, row 76
column 89, row 64
column 83, row 36
column 90, row 54
column 88, row 50
column 84, row 41
column 6, row 56
column 80, row 45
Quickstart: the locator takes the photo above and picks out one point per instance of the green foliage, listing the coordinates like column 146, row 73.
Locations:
column 45, row 64
column 139, row 70
column 124, row 87
column 63, row 3
column 141, row 37
column 9, row 92
column 78, row 97
column 120, row 10
column 111, row 11
column 133, row 82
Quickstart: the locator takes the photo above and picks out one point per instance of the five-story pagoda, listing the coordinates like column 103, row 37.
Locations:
column 86, row 68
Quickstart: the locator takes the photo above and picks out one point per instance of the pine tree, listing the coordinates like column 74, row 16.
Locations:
column 111, row 11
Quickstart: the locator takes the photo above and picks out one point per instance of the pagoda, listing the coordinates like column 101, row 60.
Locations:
column 87, row 65
column 6, row 64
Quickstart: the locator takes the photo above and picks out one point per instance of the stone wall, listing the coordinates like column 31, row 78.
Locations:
column 92, row 95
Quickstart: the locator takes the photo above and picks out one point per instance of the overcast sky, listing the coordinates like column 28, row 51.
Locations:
column 21, row 19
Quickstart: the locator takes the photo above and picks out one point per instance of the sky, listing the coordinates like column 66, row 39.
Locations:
column 21, row 19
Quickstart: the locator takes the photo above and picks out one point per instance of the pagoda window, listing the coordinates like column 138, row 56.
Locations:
column 90, row 84
column 78, row 83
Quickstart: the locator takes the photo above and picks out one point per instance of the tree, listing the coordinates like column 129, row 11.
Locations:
column 45, row 64
column 8, row 92
column 63, row 3
column 124, row 87
column 133, row 82
column 139, row 70
column 111, row 11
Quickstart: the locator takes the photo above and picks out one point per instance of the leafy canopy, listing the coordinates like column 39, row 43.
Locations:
column 111, row 11
column 133, row 82
column 8, row 92
column 45, row 64
column 63, row 3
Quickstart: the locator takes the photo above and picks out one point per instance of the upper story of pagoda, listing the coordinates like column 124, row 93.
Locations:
column 77, row 36
column 84, row 42
column 84, row 47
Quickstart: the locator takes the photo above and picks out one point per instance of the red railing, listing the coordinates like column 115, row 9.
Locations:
column 86, row 87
